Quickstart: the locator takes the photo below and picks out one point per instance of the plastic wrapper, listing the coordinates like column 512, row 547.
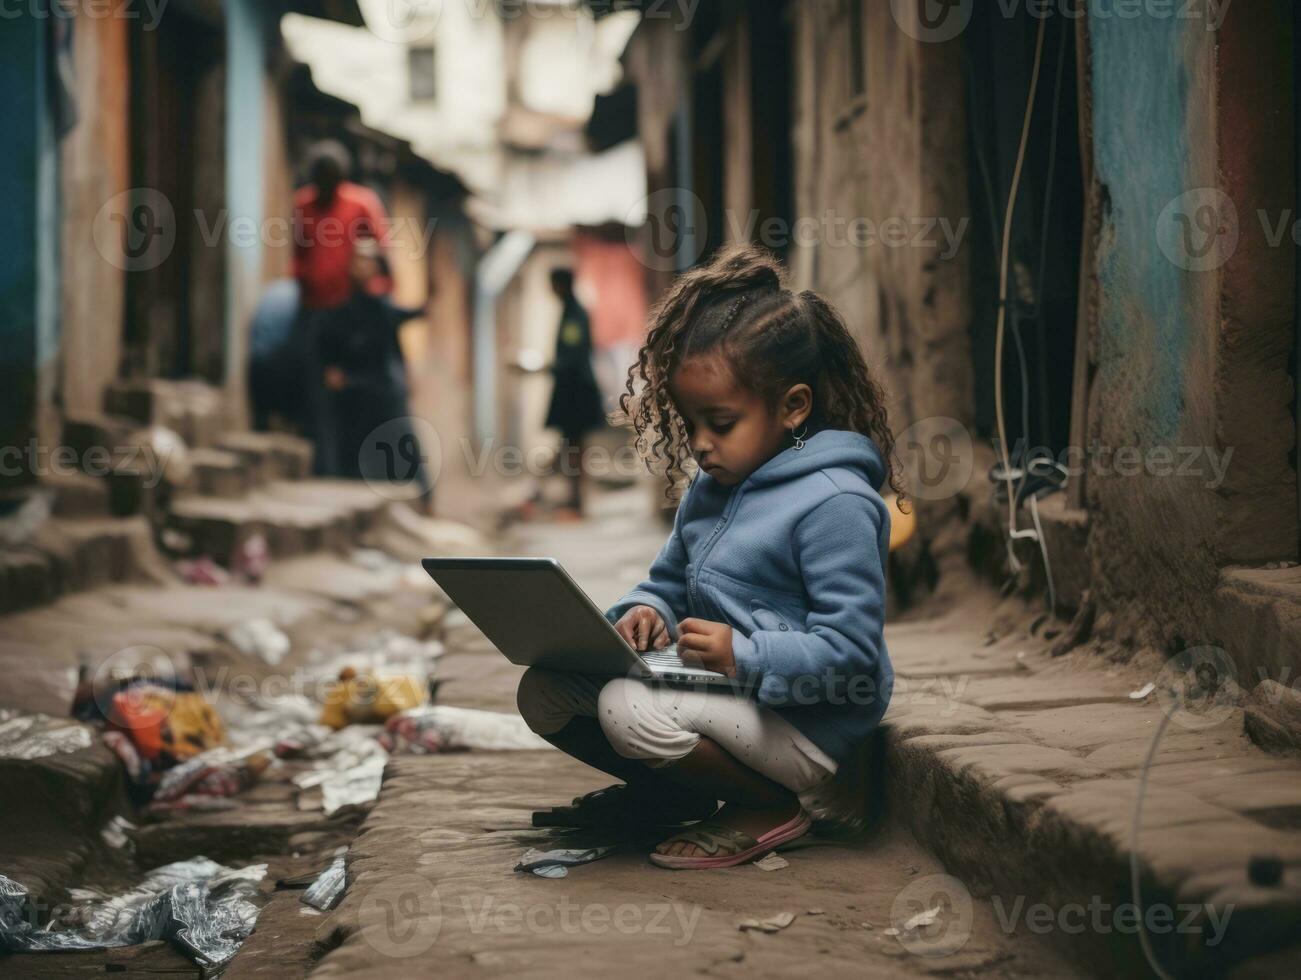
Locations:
column 260, row 638
column 349, row 770
column 37, row 736
column 218, row 773
column 211, row 920
column 357, row 698
column 440, row 728
column 301, row 742
column 324, row 893
column 266, row 720
column 204, row 908
column 556, row 864
column 386, row 652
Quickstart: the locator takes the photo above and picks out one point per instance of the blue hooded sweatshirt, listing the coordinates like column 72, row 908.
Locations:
column 793, row 559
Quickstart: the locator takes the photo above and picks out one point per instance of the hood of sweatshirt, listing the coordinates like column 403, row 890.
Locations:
column 827, row 449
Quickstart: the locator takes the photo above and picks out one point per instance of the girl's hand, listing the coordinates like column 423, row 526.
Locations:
column 707, row 644
column 643, row 628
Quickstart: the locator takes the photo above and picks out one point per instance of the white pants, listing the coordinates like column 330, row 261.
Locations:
column 659, row 723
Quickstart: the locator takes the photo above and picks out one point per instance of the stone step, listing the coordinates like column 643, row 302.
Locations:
column 194, row 410
column 220, row 473
column 109, row 447
column 1025, row 787
column 77, row 494
column 55, row 808
column 296, row 517
column 72, row 554
column 271, row 455
column 97, row 433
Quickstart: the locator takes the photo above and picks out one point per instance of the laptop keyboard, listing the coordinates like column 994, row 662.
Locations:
column 667, row 661
column 667, row 657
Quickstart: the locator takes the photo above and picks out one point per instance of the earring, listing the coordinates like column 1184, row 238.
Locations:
column 799, row 436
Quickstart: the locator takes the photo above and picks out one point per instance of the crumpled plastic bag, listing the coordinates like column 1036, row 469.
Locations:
column 365, row 698
column 218, row 773
column 442, row 728
column 261, row 638
column 37, row 736
column 348, row 769
column 302, row 743
column 206, row 909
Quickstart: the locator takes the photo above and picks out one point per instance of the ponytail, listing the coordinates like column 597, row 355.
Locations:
column 738, row 304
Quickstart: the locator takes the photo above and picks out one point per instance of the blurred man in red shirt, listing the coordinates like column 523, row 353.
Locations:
column 331, row 215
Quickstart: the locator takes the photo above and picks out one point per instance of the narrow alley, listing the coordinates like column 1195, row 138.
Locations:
column 912, row 389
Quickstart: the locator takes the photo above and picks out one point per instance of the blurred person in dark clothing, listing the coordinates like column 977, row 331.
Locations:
column 365, row 379
column 576, row 407
column 331, row 215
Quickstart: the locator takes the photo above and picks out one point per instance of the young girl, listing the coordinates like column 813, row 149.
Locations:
column 773, row 574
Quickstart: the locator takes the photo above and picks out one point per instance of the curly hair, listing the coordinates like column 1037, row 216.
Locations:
column 739, row 304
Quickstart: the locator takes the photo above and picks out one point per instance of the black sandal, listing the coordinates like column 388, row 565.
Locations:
column 617, row 805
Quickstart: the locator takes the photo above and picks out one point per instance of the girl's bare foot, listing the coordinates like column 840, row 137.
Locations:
column 750, row 821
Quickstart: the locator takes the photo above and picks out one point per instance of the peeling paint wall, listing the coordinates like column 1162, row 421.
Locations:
column 1188, row 422
column 1153, row 109
column 895, row 156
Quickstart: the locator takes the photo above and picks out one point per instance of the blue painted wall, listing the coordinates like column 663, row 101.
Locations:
column 1148, row 91
column 28, row 226
column 246, row 52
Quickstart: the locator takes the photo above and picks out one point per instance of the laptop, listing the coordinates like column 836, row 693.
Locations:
column 538, row 616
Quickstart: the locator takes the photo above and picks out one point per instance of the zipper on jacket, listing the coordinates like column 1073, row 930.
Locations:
column 692, row 573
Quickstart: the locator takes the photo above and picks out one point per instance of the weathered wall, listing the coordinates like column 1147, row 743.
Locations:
column 437, row 350
column 895, row 156
column 206, row 256
column 1254, row 387
column 248, row 27
column 277, row 260
column 1194, row 313
column 95, row 168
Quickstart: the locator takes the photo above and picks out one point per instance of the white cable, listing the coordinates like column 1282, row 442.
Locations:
column 1043, row 550
column 1004, row 263
column 1134, row 883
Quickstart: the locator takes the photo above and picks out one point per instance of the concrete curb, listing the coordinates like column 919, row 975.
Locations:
column 1031, row 824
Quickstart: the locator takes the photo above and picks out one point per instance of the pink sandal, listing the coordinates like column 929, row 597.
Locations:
column 725, row 847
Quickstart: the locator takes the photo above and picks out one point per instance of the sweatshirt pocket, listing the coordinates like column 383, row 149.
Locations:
column 767, row 618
